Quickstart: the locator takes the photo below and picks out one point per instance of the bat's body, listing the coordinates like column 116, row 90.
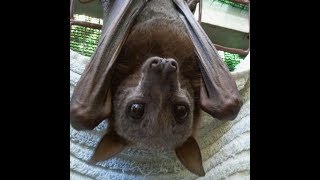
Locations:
column 154, row 69
column 158, row 32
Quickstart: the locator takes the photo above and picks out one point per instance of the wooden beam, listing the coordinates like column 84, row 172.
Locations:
column 85, row 24
column 246, row 2
column 231, row 50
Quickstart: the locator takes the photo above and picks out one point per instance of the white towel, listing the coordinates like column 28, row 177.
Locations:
column 225, row 146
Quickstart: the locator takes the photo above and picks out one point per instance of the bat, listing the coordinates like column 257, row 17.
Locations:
column 152, row 73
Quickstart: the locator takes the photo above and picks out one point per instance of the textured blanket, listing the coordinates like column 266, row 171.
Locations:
column 225, row 146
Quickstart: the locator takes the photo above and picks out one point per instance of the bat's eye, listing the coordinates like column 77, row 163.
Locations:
column 181, row 112
column 136, row 111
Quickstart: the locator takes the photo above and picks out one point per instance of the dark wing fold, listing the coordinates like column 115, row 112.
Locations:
column 91, row 100
column 219, row 94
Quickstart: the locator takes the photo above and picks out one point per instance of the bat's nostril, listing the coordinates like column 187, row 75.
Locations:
column 161, row 64
column 173, row 64
column 155, row 62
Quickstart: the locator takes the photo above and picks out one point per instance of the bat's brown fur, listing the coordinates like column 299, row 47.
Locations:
column 158, row 31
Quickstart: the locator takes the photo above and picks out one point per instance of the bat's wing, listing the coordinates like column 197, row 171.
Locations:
column 91, row 100
column 219, row 94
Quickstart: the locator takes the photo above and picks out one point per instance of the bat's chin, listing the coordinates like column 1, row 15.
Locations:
column 157, row 139
column 161, row 144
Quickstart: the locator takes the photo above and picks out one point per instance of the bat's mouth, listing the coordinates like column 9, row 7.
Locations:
column 162, row 143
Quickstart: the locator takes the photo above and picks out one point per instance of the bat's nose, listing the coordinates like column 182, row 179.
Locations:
column 164, row 65
column 160, row 75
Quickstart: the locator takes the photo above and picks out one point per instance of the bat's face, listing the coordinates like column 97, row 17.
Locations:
column 153, row 107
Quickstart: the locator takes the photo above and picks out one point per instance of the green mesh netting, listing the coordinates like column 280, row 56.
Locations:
column 232, row 60
column 236, row 5
column 85, row 40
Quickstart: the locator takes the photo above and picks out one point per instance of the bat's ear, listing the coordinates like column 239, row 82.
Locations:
column 110, row 145
column 190, row 156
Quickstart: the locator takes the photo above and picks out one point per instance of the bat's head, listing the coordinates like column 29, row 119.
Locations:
column 154, row 106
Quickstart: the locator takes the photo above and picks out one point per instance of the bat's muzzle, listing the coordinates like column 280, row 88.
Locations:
column 160, row 75
column 166, row 66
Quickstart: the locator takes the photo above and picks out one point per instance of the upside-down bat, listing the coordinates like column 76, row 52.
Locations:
column 153, row 71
